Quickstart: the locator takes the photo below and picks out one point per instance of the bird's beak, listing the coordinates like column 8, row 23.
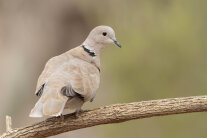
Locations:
column 117, row 43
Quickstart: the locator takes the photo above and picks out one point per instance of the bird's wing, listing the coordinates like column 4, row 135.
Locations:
column 74, row 78
column 51, row 103
column 50, row 67
column 84, row 78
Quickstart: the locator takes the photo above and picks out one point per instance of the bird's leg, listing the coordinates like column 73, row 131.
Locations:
column 92, row 99
column 61, row 116
column 77, row 112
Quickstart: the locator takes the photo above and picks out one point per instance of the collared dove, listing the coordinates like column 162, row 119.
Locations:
column 72, row 78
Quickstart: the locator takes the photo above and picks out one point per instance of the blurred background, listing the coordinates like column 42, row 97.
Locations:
column 163, row 56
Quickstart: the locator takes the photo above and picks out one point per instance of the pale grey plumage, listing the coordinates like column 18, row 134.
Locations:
column 72, row 78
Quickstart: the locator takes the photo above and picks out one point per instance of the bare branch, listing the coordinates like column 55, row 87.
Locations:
column 111, row 114
column 8, row 123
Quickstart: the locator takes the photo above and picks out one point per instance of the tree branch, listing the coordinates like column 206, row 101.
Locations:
column 111, row 114
column 8, row 123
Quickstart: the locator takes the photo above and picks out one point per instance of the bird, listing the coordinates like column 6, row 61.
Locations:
column 72, row 78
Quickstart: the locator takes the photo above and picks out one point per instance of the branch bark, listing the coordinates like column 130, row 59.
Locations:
column 8, row 123
column 111, row 114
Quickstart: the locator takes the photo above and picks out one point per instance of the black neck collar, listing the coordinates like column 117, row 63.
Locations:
column 88, row 51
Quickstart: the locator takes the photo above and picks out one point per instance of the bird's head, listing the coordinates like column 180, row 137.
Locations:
column 100, row 37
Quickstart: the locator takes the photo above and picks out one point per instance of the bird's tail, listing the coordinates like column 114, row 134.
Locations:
column 37, row 110
column 74, row 104
column 50, row 107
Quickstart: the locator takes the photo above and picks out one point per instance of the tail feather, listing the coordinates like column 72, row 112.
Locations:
column 74, row 104
column 54, row 107
column 37, row 110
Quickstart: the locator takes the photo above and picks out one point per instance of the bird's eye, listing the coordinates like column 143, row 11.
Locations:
column 104, row 33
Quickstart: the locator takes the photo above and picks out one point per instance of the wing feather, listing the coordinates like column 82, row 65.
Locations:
column 51, row 66
column 65, row 78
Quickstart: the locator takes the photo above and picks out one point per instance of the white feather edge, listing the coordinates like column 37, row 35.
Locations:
column 37, row 110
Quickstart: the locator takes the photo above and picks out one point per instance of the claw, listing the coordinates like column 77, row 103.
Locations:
column 61, row 116
column 91, row 99
column 78, row 112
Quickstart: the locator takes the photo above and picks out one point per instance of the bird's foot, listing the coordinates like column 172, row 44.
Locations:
column 61, row 116
column 78, row 112
column 91, row 99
